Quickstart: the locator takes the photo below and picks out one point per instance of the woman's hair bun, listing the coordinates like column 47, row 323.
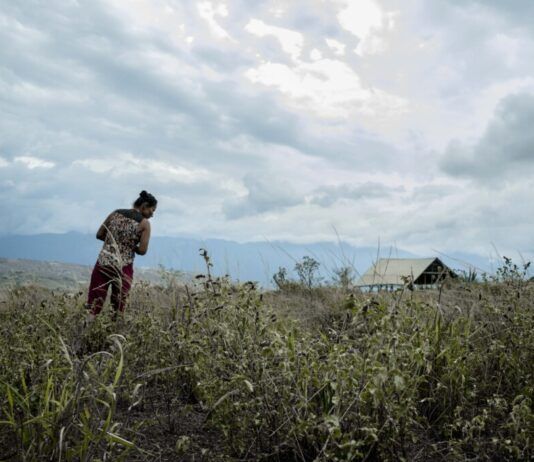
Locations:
column 145, row 198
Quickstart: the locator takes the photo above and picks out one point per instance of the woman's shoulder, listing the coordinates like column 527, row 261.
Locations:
column 130, row 213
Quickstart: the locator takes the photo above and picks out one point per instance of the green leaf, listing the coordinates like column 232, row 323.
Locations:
column 249, row 385
column 119, row 439
column 399, row 382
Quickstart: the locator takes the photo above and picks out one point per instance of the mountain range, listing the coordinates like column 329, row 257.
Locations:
column 256, row 261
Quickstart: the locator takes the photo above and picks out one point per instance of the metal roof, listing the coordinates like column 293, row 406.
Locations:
column 390, row 271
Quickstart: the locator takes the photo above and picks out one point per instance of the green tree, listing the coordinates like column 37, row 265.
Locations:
column 343, row 277
column 307, row 270
column 280, row 278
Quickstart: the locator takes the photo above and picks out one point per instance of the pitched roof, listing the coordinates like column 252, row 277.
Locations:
column 390, row 271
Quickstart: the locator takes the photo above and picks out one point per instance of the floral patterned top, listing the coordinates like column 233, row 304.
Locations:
column 122, row 237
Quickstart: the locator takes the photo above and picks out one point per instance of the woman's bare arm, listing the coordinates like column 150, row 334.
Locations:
column 142, row 248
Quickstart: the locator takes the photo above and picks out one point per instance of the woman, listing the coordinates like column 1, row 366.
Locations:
column 125, row 232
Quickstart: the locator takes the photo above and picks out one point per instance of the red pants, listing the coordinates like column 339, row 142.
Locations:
column 104, row 276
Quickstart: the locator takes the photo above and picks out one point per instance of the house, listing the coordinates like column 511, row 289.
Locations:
column 393, row 273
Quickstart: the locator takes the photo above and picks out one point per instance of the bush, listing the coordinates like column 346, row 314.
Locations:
column 430, row 376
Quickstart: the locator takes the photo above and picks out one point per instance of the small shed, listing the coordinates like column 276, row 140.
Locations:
column 392, row 273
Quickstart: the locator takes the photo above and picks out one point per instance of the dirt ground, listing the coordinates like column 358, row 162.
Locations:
column 173, row 431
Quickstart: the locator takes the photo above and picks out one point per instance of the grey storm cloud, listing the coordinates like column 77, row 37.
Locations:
column 264, row 194
column 102, row 99
column 113, row 102
column 125, row 91
column 432, row 192
column 506, row 147
column 116, row 104
column 327, row 196
column 517, row 11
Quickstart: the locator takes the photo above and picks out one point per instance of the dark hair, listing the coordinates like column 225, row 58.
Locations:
column 145, row 198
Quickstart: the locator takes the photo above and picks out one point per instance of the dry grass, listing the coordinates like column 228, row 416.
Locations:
column 218, row 371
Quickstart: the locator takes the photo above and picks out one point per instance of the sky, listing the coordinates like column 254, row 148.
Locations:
column 408, row 122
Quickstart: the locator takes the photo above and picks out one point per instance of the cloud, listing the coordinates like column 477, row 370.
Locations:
column 290, row 41
column 263, row 195
column 337, row 46
column 366, row 20
column 328, row 87
column 128, row 164
column 516, row 12
column 506, row 147
column 34, row 162
column 249, row 119
column 326, row 196
column 208, row 12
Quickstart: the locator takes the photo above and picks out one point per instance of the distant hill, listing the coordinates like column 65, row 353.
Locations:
column 57, row 275
column 256, row 261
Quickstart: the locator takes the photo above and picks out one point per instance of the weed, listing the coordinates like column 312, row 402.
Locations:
column 222, row 371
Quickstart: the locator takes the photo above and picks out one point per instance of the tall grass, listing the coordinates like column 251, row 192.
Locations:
column 300, row 374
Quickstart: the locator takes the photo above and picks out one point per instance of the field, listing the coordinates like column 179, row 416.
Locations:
column 223, row 371
column 56, row 275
